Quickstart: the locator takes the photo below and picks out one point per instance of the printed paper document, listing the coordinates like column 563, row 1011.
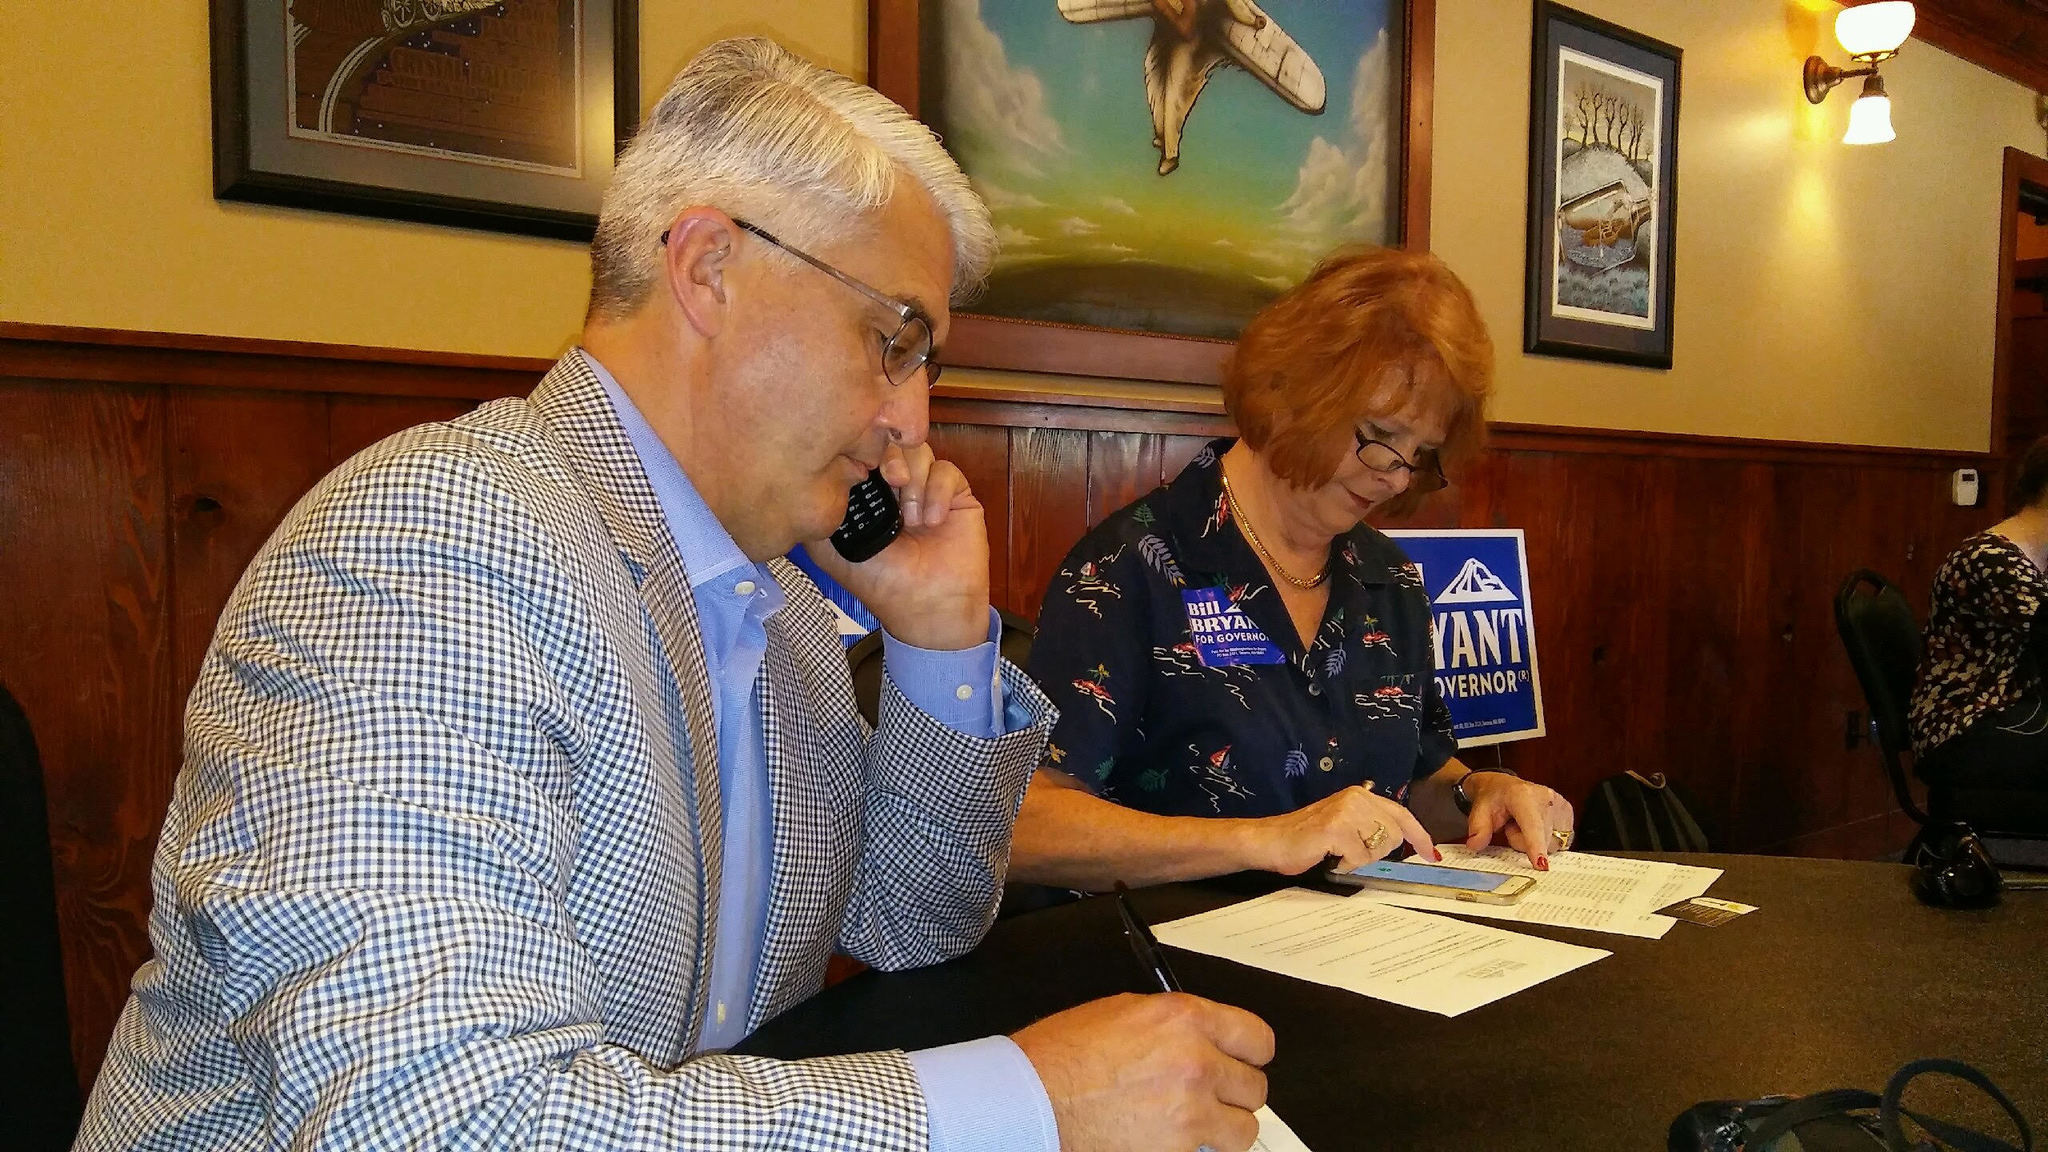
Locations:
column 1275, row 1135
column 1603, row 893
column 1429, row 962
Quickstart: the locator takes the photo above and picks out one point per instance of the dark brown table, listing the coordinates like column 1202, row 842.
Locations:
column 1839, row 978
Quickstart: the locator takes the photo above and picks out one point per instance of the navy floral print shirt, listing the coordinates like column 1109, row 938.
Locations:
column 1183, row 689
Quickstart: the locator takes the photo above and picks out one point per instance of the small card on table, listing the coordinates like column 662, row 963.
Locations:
column 1706, row 910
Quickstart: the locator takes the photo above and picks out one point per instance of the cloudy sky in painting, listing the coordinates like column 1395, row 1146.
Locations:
column 1050, row 121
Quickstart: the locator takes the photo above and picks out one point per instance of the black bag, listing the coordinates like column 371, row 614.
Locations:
column 1952, row 868
column 1636, row 813
column 1840, row 1120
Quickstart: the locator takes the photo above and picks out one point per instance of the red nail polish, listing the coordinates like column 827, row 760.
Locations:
column 1543, row 863
column 1438, row 855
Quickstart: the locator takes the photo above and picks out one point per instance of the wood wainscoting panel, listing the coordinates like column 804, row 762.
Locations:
column 1896, row 521
column 1720, row 625
column 239, row 460
column 1597, row 536
column 85, row 594
column 1175, row 452
column 1122, row 466
column 982, row 453
column 356, row 422
column 1682, row 586
column 1048, row 508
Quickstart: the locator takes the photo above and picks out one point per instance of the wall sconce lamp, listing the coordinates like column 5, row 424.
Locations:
column 1870, row 33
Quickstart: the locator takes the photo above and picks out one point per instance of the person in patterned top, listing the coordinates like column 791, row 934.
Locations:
column 1243, row 667
column 1977, row 716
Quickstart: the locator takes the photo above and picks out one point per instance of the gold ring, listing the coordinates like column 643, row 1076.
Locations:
column 1379, row 835
column 1564, row 838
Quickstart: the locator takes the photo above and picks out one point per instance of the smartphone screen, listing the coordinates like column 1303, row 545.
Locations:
column 1465, row 878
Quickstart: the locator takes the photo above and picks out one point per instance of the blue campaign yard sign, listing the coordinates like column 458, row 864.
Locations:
column 852, row 616
column 1477, row 581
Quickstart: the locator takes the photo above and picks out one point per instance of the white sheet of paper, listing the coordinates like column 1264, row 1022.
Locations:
column 1581, row 890
column 1275, row 1135
column 1428, row 962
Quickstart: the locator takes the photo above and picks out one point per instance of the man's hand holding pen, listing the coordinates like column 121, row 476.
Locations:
column 1141, row 1073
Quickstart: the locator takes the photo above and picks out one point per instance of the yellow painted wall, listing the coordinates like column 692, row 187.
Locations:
column 107, row 215
column 1824, row 293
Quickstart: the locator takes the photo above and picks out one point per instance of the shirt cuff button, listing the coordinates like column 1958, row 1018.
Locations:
column 964, row 692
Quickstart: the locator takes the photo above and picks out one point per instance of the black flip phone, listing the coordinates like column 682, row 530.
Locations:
column 873, row 519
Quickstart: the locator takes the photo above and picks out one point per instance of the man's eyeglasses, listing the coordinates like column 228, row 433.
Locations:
column 906, row 349
column 1425, row 474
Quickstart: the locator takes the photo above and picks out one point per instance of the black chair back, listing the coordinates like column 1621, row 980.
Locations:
column 42, row 1082
column 1883, row 642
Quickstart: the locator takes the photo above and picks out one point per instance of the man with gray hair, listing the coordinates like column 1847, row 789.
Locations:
column 523, row 776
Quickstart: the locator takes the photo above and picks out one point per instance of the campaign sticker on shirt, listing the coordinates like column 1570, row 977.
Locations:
column 1224, row 636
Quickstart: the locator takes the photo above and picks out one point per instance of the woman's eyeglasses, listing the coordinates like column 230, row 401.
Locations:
column 1425, row 474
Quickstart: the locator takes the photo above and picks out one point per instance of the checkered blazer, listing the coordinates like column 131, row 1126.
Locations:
column 440, row 865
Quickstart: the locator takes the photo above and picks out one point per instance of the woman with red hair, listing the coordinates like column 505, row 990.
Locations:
column 1242, row 665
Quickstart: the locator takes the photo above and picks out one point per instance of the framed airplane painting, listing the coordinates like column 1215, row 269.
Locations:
column 1159, row 170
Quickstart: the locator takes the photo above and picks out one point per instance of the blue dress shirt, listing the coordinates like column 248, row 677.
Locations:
column 983, row 1095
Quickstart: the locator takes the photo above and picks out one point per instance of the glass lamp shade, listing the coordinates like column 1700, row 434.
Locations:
column 1874, row 31
column 1870, row 121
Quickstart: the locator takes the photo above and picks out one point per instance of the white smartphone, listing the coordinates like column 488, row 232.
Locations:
column 1437, row 880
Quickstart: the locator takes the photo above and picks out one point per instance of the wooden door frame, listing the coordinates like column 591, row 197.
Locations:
column 2019, row 166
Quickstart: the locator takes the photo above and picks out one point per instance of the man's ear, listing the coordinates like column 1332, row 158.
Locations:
column 697, row 259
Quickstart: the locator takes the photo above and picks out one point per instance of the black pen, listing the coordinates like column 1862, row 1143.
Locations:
column 1142, row 942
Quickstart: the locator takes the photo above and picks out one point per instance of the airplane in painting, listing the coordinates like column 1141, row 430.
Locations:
column 1191, row 39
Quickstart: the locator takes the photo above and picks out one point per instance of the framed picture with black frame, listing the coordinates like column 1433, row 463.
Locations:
column 497, row 114
column 1603, row 190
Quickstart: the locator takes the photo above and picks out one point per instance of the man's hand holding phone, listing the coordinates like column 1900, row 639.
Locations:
column 929, row 587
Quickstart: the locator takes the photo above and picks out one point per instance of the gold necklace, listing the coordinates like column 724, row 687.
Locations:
column 1230, row 498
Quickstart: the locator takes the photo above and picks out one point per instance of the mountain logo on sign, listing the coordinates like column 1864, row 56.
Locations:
column 1475, row 585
